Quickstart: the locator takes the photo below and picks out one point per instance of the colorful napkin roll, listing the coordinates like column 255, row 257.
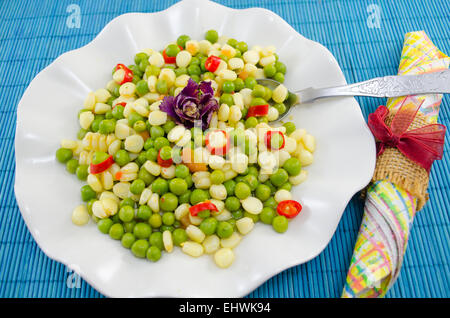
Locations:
column 390, row 209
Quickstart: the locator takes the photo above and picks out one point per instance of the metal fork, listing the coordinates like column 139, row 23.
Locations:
column 387, row 86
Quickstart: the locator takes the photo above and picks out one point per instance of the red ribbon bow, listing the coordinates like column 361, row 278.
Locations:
column 422, row 145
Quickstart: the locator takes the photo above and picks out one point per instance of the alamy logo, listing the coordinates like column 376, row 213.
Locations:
column 374, row 18
column 74, row 19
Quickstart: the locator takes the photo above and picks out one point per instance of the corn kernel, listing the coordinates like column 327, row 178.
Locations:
column 224, row 257
column 80, row 215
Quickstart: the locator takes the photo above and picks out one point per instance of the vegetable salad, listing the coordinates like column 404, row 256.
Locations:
column 177, row 150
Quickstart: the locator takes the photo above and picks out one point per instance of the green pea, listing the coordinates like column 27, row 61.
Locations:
column 155, row 220
column 168, row 202
column 238, row 214
column 115, row 218
column 242, row 46
column 156, row 132
column 151, row 154
column 181, row 171
column 161, row 86
column 179, row 236
column 116, row 231
column 128, row 239
column 268, row 93
column 189, row 181
column 238, row 84
column 267, row 214
column 250, row 82
column 290, row 127
column 137, row 186
column 239, row 179
column 139, row 248
column 204, row 214
column 143, row 174
column 153, row 253
column 258, row 91
column 148, row 143
column 168, row 126
column 89, row 205
column 286, row 186
column 142, row 66
column 217, row 177
column 195, row 61
column 152, row 70
column 209, row 225
column 126, row 213
column 279, row 177
column 180, row 71
column 253, row 171
column 178, row 186
column 117, row 112
column 232, row 204
column 134, row 117
column 144, row 212
column 279, row 77
column 82, row 172
column 228, row 87
column 194, row 69
column 140, row 56
column 232, row 42
column 87, row 193
column 95, row 124
column 182, row 39
column 251, row 122
column 276, row 141
column 63, row 155
column 227, row 99
column 168, row 218
column 106, row 126
column 252, row 181
column 142, row 87
column 160, row 186
column 271, row 203
column 212, row 36
column 207, row 75
column 230, row 185
column 195, row 78
column 198, row 196
column 242, row 190
column 72, row 165
column 81, row 133
column 127, row 201
column 280, row 107
column 172, row 50
column 280, row 223
column 185, row 197
column 104, row 225
column 165, row 153
column 142, row 230
column 129, row 226
column 280, row 67
column 258, row 101
column 108, row 114
column 263, row 192
column 122, row 157
column 224, row 229
column 270, row 70
column 292, row 166
column 157, row 240
column 161, row 142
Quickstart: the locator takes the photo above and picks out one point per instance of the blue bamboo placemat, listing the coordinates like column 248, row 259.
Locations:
column 34, row 32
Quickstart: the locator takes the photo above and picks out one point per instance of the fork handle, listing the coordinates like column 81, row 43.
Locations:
column 391, row 86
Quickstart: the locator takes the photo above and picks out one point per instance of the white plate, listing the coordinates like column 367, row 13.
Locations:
column 46, row 193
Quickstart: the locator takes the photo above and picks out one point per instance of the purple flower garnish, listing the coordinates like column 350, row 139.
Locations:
column 195, row 102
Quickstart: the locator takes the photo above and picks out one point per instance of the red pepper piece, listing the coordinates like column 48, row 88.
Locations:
column 269, row 136
column 217, row 150
column 121, row 104
column 212, row 63
column 165, row 163
column 258, row 111
column 169, row 59
column 102, row 166
column 289, row 208
column 207, row 205
column 128, row 77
